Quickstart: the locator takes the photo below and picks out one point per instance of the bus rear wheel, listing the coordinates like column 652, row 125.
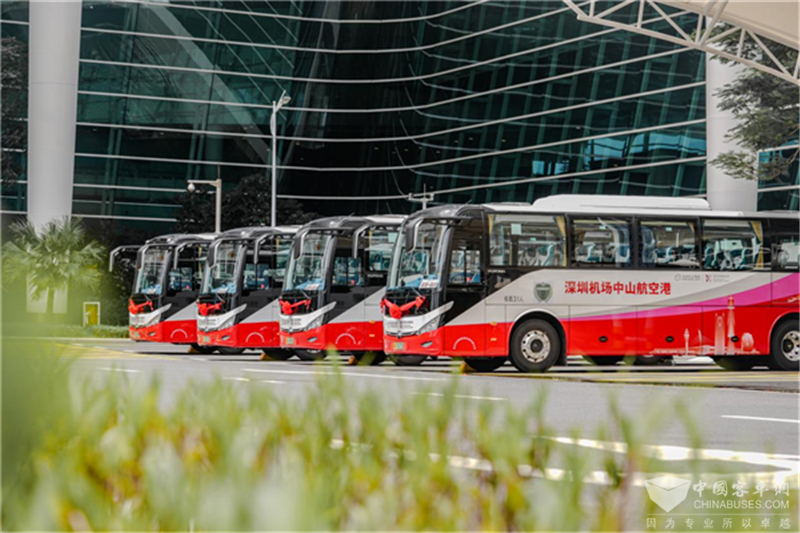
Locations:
column 277, row 354
column 735, row 362
column 369, row 358
column 310, row 355
column 535, row 346
column 407, row 360
column 205, row 350
column 785, row 347
column 485, row 364
column 224, row 350
column 603, row 360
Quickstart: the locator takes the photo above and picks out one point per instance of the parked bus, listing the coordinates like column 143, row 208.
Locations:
column 169, row 271
column 238, row 305
column 334, row 285
column 598, row 276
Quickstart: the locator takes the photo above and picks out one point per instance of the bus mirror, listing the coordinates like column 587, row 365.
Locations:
column 356, row 236
column 297, row 245
column 211, row 258
column 112, row 257
column 176, row 259
column 411, row 236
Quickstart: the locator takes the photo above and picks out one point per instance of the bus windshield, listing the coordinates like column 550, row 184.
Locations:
column 420, row 267
column 221, row 278
column 307, row 272
column 150, row 277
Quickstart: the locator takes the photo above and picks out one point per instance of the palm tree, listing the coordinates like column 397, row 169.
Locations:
column 53, row 259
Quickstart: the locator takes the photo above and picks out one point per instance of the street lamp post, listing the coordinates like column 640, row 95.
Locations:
column 423, row 199
column 218, row 201
column 273, row 129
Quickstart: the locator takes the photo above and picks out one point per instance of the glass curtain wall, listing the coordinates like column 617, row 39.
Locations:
column 489, row 101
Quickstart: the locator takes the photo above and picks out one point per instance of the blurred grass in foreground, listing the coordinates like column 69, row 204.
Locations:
column 102, row 455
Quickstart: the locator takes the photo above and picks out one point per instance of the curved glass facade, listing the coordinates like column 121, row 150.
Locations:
column 484, row 101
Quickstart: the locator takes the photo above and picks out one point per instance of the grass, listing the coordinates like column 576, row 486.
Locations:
column 33, row 330
column 103, row 454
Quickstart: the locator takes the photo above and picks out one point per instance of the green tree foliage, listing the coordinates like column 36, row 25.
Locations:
column 767, row 109
column 248, row 204
column 13, row 105
column 56, row 258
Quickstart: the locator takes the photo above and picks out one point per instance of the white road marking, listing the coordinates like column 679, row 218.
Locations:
column 788, row 464
column 275, row 381
column 235, row 379
column 465, row 396
column 200, row 359
column 126, row 370
column 352, row 374
column 762, row 419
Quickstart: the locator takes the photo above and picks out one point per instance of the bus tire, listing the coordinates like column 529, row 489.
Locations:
column 311, row 355
column 370, row 358
column 735, row 362
column 407, row 360
column 484, row 364
column 200, row 348
column 785, row 346
column 603, row 360
column 224, row 350
column 535, row 346
column 646, row 360
column 277, row 354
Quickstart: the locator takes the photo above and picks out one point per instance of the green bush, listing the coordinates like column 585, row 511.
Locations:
column 108, row 455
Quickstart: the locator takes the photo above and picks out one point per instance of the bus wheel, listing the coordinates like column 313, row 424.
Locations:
column 277, row 354
column 203, row 349
column 369, row 358
column 603, row 360
column 785, row 349
column 735, row 363
column 407, row 360
column 224, row 350
column 310, row 355
column 535, row 346
column 485, row 364
column 646, row 360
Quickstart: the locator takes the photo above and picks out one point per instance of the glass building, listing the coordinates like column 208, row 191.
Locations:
column 478, row 101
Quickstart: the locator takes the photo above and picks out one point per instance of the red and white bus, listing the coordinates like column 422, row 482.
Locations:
column 334, row 285
column 169, row 274
column 597, row 276
column 238, row 305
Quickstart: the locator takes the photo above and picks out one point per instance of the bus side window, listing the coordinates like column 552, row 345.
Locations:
column 465, row 266
column 601, row 241
column 347, row 272
column 785, row 244
column 527, row 241
column 667, row 243
column 734, row 245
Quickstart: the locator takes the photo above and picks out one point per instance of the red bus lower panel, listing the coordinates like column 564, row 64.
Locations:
column 172, row 331
column 245, row 335
column 341, row 336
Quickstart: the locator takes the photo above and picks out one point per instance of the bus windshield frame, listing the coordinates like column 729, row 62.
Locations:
column 223, row 277
column 411, row 267
column 308, row 270
column 151, row 274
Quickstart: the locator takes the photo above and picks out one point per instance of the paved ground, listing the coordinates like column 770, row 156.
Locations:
column 755, row 412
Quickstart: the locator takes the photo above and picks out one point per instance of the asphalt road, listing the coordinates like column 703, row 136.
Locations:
column 757, row 412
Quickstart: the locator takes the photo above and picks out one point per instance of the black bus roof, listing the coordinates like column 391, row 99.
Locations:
column 352, row 223
column 173, row 239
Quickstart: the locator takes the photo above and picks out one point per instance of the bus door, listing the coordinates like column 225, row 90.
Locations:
column 375, row 248
column 465, row 322
column 184, row 281
column 668, row 252
column 736, row 261
column 346, row 330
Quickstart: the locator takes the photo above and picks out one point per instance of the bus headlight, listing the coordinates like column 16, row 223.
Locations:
column 430, row 326
column 228, row 322
column 316, row 323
